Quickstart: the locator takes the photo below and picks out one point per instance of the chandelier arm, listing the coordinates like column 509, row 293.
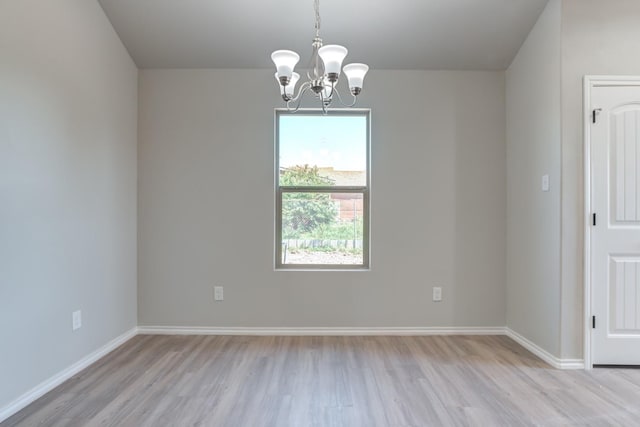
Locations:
column 355, row 99
column 298, row 98
column 303, row 88
column 333, row 89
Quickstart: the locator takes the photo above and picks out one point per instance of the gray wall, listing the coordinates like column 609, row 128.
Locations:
column 598, row 37
column 533, row 217
column 206, row 204
column 68, row 113
column 572, row 38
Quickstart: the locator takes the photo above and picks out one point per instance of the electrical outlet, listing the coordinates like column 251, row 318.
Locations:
column 437, row 293
column 218, row 293
column 76, row 320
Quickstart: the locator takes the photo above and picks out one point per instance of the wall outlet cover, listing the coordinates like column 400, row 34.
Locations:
column 218, row 293
column 437, row 293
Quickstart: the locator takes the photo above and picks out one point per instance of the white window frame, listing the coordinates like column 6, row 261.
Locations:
column 364, row 190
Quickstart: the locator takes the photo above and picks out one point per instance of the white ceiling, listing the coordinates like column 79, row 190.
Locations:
column 391, row 34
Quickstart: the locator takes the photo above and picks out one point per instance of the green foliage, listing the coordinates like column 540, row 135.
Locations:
column 337, row 231
column 303, row 175
column 304, row 212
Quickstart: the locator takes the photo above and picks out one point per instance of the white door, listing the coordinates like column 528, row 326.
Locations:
column 615, row 237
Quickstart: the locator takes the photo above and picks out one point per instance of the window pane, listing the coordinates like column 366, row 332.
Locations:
column 322, row 228
column 332, row 148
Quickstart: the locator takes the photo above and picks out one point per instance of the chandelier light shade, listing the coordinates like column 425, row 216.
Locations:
column 289, row 88
column 355, row 75
column 285, row 61
column 332, row 56
column 323, row 73
column 327, row 92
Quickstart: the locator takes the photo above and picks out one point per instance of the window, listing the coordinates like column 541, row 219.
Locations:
column 322, row 189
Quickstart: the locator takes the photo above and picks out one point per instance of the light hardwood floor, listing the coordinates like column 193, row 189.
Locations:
column 334, row 381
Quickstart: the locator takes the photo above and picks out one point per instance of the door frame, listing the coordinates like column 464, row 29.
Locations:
column 591, row 82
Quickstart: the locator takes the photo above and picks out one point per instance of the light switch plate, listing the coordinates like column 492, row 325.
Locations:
column 545, row 182
column 76, row 319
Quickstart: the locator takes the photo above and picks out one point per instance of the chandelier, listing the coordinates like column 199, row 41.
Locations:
column 323, row 72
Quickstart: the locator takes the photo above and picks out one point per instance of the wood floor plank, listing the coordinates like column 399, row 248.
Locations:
column 333, row 381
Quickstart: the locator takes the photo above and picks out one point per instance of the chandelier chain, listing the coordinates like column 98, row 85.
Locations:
column 316, row 6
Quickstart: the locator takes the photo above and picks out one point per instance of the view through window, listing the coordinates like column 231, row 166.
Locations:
column 322, row 217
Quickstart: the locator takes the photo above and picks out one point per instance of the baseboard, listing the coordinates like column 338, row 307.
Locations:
column 371, row 331
column 62, row 376
column 401, row 331
column 543, row 354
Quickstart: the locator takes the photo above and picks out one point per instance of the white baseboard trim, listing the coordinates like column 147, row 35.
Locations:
column 402, row 331
column 62, row 376
column 543, row 354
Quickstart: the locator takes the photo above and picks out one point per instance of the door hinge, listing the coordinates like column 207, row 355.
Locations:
column 594, row 114
column 593, row 322
column 594, row 220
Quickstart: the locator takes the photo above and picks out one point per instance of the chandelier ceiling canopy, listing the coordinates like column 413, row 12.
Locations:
column 323, row 72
